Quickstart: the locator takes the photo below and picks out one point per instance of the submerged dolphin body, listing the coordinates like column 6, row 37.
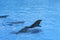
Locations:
column 12, row 23
column 4, row 16
column 25, row 29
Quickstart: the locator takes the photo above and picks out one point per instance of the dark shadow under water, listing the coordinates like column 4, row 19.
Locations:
column 35, row 31
column 31, row 31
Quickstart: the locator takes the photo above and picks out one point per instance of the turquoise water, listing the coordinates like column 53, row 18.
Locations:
column 30, row 11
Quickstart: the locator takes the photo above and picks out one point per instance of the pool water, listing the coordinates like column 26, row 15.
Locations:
column 29, row 11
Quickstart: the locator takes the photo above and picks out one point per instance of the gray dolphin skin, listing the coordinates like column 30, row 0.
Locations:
column 25, row 29
column 35, row 24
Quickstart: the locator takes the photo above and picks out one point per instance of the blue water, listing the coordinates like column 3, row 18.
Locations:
column 30, row 11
